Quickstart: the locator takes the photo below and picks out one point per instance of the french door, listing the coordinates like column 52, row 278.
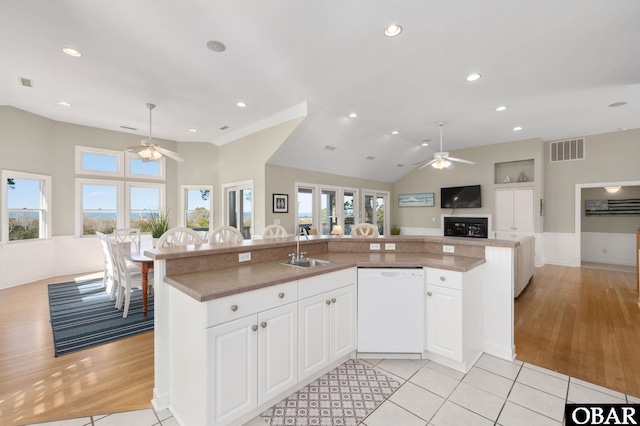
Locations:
column 375, row 209
column 237, row 205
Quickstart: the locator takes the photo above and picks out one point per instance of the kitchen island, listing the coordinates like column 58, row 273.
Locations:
column 233, row 337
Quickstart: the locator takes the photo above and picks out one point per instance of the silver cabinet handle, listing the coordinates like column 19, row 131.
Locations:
column 263, row 324
column 234, row 308
column 254, row 327
column 333, row 300
column 281, row 295
column 442, row 278
column 429, row 293
column 328, row 302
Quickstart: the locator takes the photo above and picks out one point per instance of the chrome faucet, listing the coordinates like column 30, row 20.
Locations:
column 297, row 256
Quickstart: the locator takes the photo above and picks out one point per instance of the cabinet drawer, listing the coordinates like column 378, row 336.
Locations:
column 326, row 282
column 444, row 278
column 240, row 305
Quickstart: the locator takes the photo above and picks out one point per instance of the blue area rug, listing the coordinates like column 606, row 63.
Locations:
column 82, row 316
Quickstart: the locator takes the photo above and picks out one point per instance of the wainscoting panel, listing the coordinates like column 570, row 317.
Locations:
column 601, row 247
column 26, row 261
column 559, row 249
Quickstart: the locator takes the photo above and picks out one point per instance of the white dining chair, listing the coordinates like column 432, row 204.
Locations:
column 179, row 236
column 128, row 235
column 274, row 231
column 126, row 278
column 108, row 277
column 365, row 230
column 225, row 234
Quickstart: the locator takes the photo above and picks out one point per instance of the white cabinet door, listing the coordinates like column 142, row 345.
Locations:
column 343, row 319
column 504, row 210
column 277, row 351
column 444, row 322
column 514, row 212
column 313, row 334
column 232, row 368
column 523, row 210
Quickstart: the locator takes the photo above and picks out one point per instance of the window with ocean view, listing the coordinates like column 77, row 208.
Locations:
column 144, row 202
column 25, row 199
column 197, row 206
column 99, row 206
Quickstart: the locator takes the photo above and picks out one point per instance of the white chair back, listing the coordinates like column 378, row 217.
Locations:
column 108, row 280
column 225, row 234
column 365, row 230
column 179, row 236
column 274, row 231
column 127, row 278
column 126, row 235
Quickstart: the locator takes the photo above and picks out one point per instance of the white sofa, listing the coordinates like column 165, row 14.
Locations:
column 524, row 264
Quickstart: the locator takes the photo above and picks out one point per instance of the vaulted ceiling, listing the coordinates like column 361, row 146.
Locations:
column 556, row 65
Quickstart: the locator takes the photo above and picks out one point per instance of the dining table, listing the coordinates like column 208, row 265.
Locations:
column 134, row 252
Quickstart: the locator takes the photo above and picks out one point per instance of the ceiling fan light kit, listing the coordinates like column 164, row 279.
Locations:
column 149, row 151
column 441, row 160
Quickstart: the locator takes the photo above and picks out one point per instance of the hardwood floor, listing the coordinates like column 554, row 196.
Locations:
column 35, row 386
column 582, row 322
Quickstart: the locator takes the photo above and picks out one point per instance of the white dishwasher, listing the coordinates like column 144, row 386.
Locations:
column 391, row 310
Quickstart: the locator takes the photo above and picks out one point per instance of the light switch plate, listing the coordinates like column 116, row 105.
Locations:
column 244, row 257
column 449, row 249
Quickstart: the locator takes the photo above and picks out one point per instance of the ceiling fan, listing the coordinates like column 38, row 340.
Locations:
column 441, row 160
column 150, row 151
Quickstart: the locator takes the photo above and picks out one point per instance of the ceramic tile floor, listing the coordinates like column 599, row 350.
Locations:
column 493, row 392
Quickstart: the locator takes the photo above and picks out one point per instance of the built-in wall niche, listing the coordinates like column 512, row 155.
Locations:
column 520, row 171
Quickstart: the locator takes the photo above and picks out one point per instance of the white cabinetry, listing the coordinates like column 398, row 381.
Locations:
column 252, row 360
column 454, row 317
column 327, row 317
column 514, row 213
column 231, row 354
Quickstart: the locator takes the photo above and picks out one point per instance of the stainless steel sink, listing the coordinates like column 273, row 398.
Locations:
column 306, row 263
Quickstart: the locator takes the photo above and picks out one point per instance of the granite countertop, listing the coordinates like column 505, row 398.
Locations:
column 213, row 284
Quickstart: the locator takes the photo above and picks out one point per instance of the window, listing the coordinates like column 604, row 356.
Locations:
column 100, row 205
column 98, row 162
column 138, row 168
column 197, row 207
column 374, row 209
column 143, row 201
column 25, row 201
column 350, row 207
column 305, row 206
column 237, row 205
column 328, row 210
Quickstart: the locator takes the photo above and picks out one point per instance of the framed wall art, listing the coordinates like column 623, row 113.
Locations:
column 425, row 199
column 280, row 203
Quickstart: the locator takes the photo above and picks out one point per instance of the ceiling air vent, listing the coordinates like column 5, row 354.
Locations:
column 370, row 158
column 26, row 82
column 569, row 150
column 224, row 127
column 330, row 147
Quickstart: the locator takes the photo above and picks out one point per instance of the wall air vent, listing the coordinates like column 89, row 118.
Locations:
column 569, row 150
column 26, row 82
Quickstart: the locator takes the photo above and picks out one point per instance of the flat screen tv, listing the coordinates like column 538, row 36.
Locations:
column 460, row 197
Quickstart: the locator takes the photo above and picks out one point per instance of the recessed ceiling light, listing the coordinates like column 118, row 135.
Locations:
column 473, row 77
column 193, row 130
column 352, row 115
column 425, row 142
column 395, row 132
column 72, row 52
column 241, row 105
column 64, row 104
column 501, row 108
column 216, row 46
column 617, row 104
column 517, row 129
column 392, row 30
